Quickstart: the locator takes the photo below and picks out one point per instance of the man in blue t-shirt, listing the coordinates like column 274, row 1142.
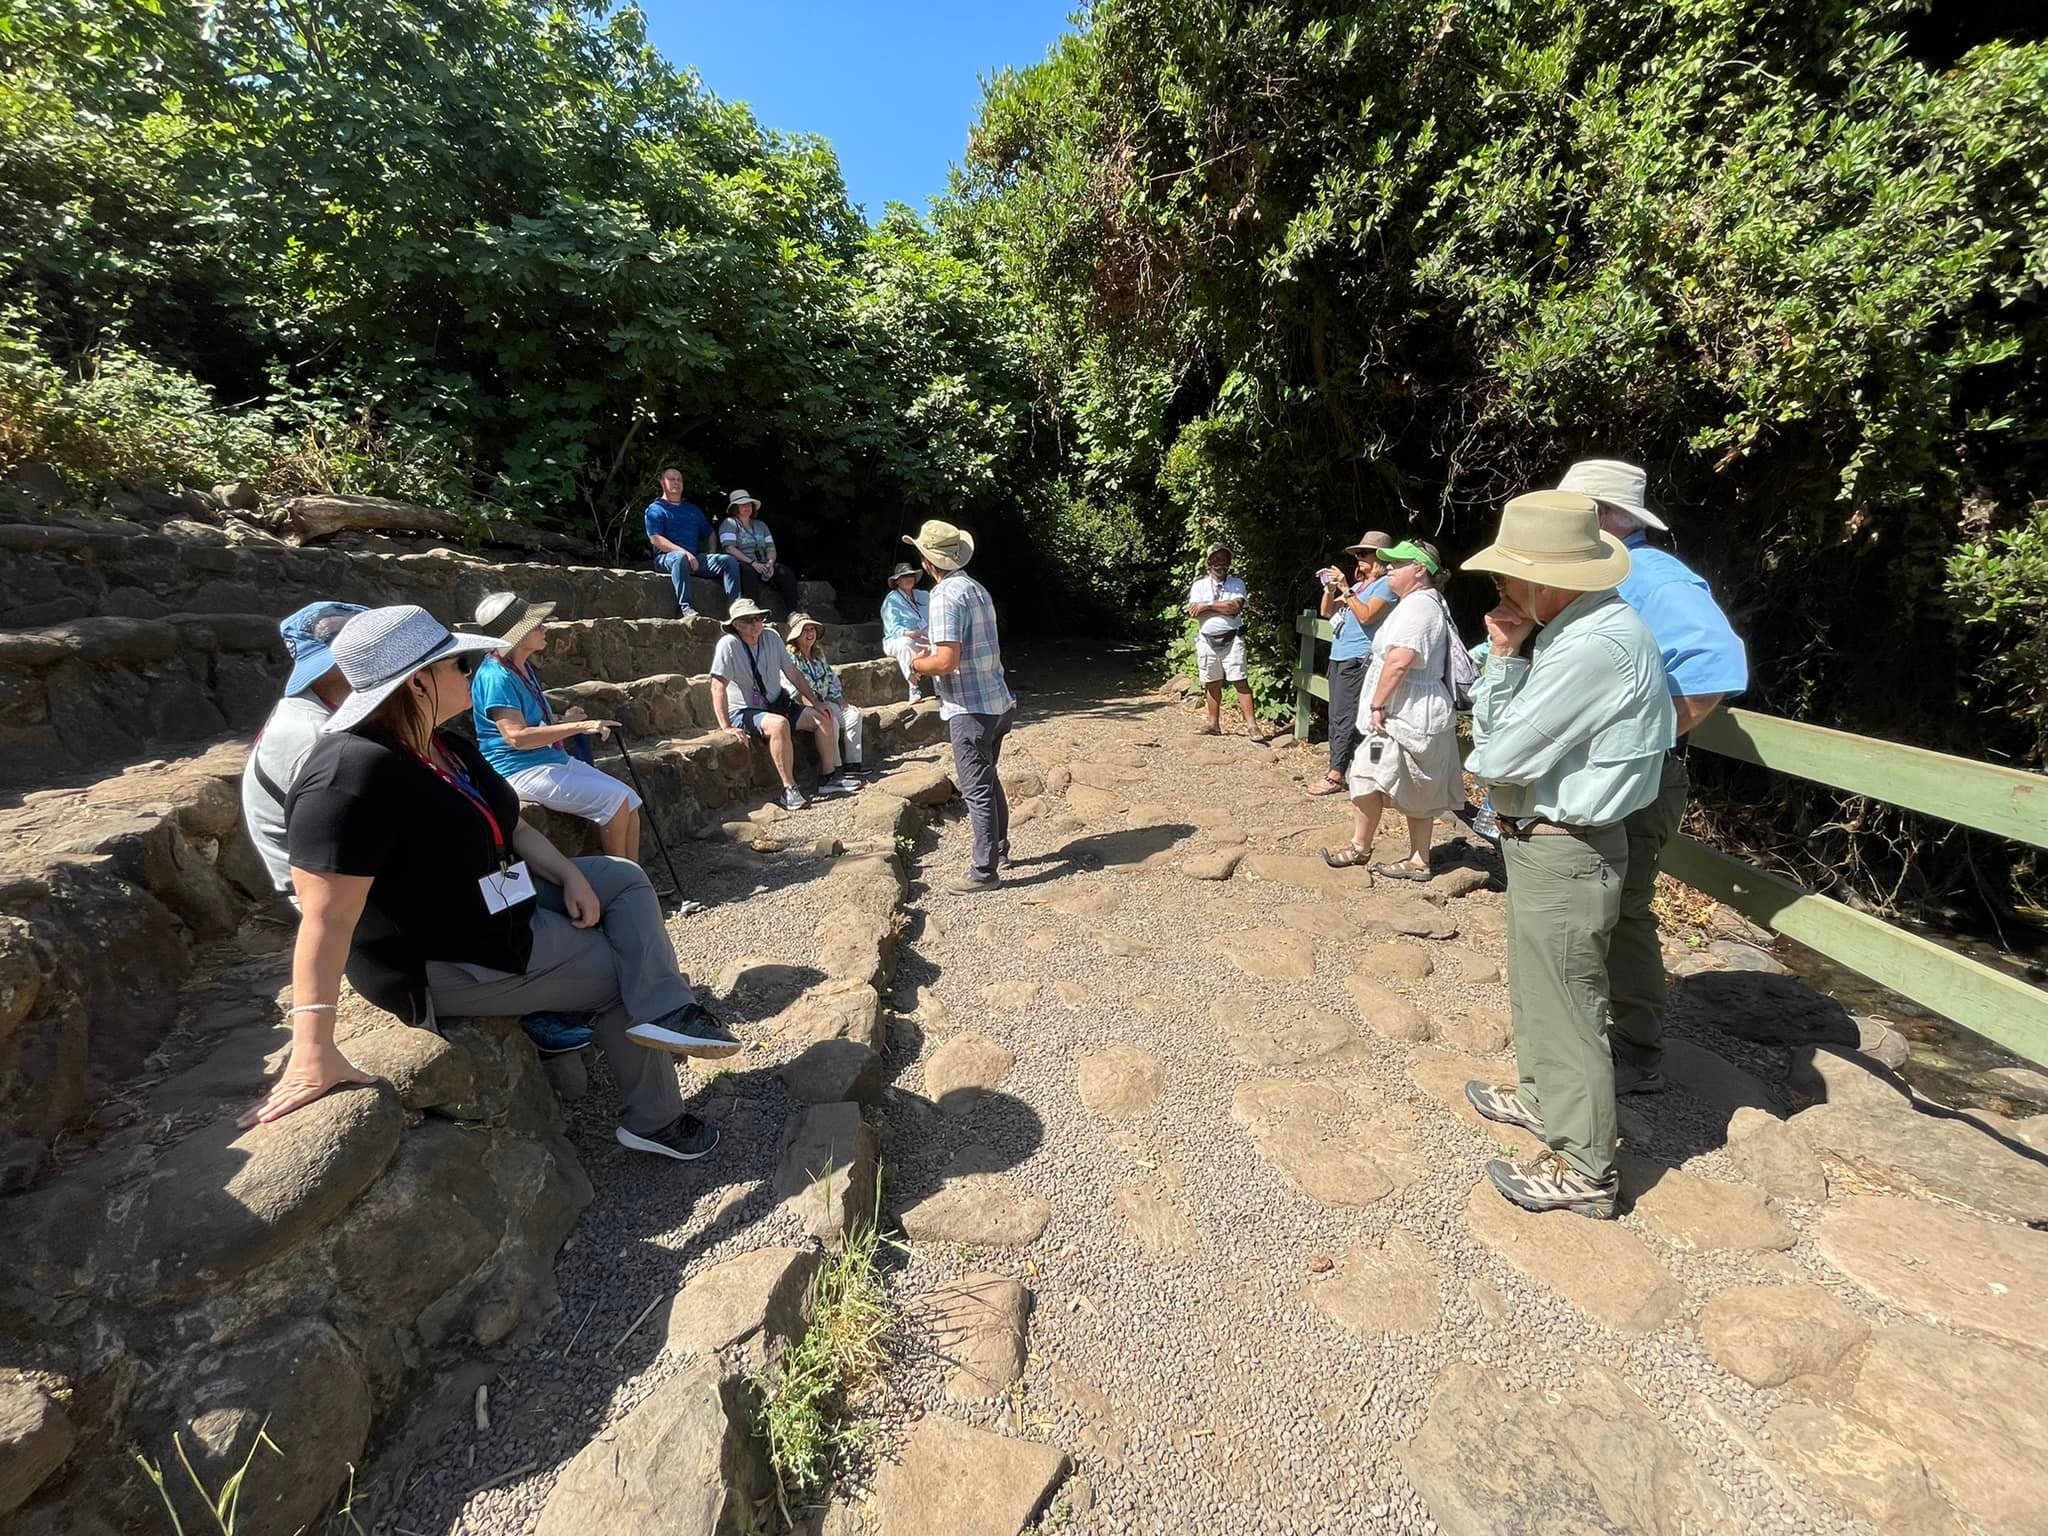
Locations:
column 1704, row 663
column 680, row 534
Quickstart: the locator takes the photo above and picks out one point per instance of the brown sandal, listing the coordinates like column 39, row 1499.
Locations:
column 1329, row 786
column 1346, row 857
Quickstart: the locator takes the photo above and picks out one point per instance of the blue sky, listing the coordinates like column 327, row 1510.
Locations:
column 892, row 83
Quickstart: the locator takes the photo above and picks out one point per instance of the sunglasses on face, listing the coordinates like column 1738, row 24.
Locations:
column 465, row 662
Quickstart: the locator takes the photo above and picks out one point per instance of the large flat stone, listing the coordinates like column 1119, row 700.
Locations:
column 962, row 1481
column 826, row 1172
column 1270, row 954
column 1307, row 874
column 1591, row 1460
column 1920, row 1152
column 1285, row 1037
column 422, row 1068
column 977, row 1324
column 1600, row 1267
column 924, row 784
column 963, row 1069
column 1771, row 1334
column 1313, row 1134
column 1974, row 1412
column 760, row 1292
column 1702, row 1214
column 982, row 1209
column 35, row 1437
column 679, row 1464
column 1386, row 1012
column 1443, row 1075
column 1935, row 1261
column 1398, row 913
column 1775, row 1158
column 223, row 1200
column 1869, row 1475
column 1161, row 1226
column 1119, row 1083
column 1392, row 1286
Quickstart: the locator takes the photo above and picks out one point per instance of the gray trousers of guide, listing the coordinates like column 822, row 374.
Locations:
column 622, row 971
column 1635, row 958
column 1564, row 898
column 977, row 757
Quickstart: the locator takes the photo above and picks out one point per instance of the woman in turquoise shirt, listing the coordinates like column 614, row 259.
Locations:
column 1355, row 613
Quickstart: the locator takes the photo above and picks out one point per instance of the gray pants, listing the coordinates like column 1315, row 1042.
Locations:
column 977, row 746
column 1347, row 681
column 1635, row 960
column 622, row 972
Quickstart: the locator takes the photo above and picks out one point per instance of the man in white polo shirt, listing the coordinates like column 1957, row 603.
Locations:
column 1217, row 602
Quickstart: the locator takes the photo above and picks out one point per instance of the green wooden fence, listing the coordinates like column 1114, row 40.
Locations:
column 2002, row 801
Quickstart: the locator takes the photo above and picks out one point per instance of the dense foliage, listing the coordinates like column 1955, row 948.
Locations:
column 1304, row 268
column 473, row 253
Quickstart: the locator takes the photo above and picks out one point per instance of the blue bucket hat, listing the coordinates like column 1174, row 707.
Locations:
column 307, row 635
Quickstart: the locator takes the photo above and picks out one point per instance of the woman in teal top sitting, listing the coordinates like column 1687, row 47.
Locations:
column 807, row 651
column 523, row 740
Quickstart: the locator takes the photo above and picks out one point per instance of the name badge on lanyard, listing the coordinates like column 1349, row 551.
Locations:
column 511, row 882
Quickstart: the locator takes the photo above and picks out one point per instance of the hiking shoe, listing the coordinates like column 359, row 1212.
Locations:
column 1503, row 1106
column 1003, row 859
column 685, row 1138
column 1548, row 1183
column 1644, row 1082
column 794, row 799
column 556, row 1034
column 690, row 1030
column 969, row 885
column 837, row 787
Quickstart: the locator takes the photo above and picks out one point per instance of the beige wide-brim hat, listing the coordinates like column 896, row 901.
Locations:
column 798, row 623
column 1553, row 538
column 1369, row 543
column 745, row 608
column 507, row 618
column 1621, row 485
column 947, row 547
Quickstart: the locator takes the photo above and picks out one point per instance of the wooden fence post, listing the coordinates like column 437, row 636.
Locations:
column 1304, row 670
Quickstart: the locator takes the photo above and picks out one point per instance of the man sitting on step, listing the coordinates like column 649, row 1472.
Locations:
column 314, row 691
column 680, row 535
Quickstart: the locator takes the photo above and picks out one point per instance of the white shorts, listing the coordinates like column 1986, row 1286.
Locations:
column 576, row 789
column 1220, row 660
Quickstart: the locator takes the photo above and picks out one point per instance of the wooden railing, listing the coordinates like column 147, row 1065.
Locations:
column 2001, row 801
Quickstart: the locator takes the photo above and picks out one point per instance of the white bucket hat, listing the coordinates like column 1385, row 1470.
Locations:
column 1554, row 539
column 378, row 650
column 1621, row 485
column 739, row 497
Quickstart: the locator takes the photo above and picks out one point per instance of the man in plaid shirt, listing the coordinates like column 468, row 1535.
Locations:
column 965, row 664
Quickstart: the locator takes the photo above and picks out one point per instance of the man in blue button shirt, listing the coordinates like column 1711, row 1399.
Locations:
column 680, row 534
column 1704, row 663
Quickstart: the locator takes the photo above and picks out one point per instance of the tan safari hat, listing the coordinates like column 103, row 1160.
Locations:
column 745, row 608
column 947, row 547
column 1553, row 538
column 797, row 624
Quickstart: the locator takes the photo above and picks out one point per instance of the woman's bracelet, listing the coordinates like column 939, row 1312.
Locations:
column 310, row 1008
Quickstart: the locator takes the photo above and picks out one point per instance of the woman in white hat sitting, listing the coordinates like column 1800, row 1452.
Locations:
column 419, row 882
column 807, row 652
column 521, row 737
column 748, row 540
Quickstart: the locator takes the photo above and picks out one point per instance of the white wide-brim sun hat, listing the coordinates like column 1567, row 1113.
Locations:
column 378, row 650
column 1553, row 538
column 1621, row 485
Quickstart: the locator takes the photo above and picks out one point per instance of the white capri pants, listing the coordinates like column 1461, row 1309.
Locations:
column 902, row 647
column 847, row 721
column 576, row 789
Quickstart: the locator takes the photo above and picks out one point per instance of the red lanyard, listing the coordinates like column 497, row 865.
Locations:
column 459, row 782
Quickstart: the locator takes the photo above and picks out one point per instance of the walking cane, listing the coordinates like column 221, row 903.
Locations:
column 654, row 826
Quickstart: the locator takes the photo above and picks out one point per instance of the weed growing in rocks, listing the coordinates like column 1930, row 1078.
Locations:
column 810, row 1405
column 221, row 1505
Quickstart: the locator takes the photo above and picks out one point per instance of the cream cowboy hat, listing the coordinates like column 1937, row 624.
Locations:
column 947, row 547
column 379, row 649
column 799, row 622
column 744, row 608
column 1553, row 538
column 742, row 498
column 1621, row 485
column 507, row 618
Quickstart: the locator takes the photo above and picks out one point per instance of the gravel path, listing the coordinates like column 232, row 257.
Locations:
column 1198, row 1389
column 1201, row 1393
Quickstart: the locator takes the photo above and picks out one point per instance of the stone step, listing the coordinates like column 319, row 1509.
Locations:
column 91, row 692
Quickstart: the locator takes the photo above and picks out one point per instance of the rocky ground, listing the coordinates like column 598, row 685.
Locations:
column 1195, row 1224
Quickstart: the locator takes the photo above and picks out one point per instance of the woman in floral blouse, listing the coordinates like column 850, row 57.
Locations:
column 816, row 671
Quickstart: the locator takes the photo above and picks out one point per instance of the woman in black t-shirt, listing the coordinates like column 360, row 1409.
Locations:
column 418, row 880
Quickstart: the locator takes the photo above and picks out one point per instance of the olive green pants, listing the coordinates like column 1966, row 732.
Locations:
column 1564, row 895
column 1635, row 960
